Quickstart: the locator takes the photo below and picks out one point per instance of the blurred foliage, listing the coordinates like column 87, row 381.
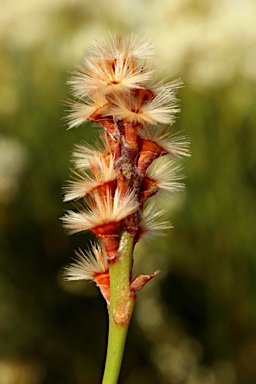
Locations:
column 197, row 324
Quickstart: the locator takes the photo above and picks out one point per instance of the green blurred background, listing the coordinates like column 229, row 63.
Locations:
column 194, row 323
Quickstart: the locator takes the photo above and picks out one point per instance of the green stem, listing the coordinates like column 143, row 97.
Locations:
column 120, row 308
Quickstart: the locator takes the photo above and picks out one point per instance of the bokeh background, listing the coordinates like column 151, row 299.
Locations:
column 196, row 322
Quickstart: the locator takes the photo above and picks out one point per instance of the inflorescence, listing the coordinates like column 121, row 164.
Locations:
column 133, row 160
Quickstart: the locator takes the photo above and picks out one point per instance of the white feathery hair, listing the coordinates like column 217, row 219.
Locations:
column 84, row 154
column 119, row 46
column 152, row 221
column 99, row 76
column 87, row 264
column 80, row 111
column 166, row 174
column 159, row 109
column 172, row 143
column 110, row 66
column 101, row 210
column 85, row 182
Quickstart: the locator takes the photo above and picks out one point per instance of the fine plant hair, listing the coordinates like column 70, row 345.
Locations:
column 116, row 183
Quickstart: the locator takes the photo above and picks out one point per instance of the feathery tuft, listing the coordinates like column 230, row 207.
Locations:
column 166, row 175
column 102, row 210
column 143, row 107
column 152, row 222
column 85, row 153
column 87, row 266
column 84, row 183
column 172, row 144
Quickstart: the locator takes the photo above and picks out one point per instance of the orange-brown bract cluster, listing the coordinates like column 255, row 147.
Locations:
column 112, row 182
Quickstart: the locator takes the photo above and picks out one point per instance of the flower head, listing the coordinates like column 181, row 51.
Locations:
column 85, row 154
column 143, row 106
column 165, row 174
column 86, row 110
column 169, row 143
column 102, row 174
column 113, row 66
column 102, row 210
column 87, row 266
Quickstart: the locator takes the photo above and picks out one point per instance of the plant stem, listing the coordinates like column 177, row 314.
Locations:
column 120, row 309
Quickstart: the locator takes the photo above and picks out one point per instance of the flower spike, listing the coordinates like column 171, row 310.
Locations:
column 114, row 181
